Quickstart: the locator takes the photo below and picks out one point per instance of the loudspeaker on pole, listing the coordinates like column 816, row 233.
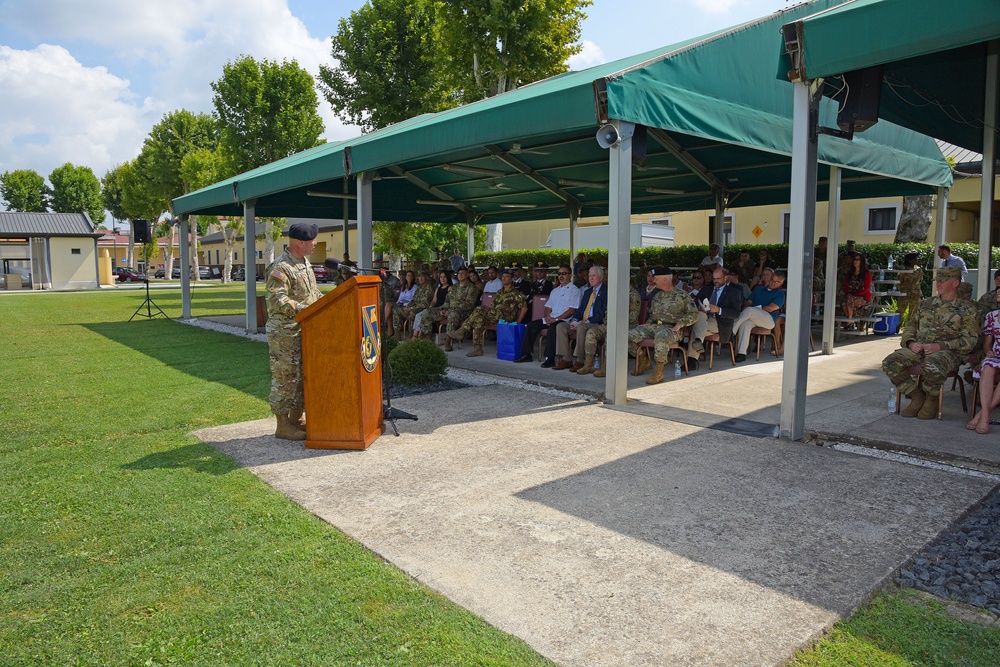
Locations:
column 140, row 231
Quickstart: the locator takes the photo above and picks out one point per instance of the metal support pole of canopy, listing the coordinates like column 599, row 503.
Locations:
column 185, row 248
column 250, row 263
column 795, row 370
column 366, row 246
column 832, row 241
column 619, row 218
column 989, row 166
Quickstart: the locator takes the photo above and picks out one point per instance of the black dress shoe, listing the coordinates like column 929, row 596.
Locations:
column 523, row 359
column 740, row 358
column 692, row 364
column 548, row 363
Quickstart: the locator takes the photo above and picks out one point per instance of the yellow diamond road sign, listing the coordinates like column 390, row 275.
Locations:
column 757, row 231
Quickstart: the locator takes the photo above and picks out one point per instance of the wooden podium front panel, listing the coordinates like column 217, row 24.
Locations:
column 343, row 400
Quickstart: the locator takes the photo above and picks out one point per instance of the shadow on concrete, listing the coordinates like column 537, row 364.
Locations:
column 821, row 528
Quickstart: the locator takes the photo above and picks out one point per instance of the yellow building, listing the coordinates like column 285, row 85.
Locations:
column 864, row 220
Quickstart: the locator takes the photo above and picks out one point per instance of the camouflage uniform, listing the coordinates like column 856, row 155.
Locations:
column 909, row 284
column 953, row 324
column 507, row 304
column 667, row 310
column 597, row 333
column 987, row 303
column 291, row 286
column 459, row 303
column 420, row 300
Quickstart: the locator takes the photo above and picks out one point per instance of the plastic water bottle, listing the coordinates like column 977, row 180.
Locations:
column 891, row 262
column 597, row 363
column 677, row 369
column 881, row 274
column 892, row 400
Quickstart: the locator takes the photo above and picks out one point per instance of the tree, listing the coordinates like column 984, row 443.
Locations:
column 139, row 200
column 384, row 69
column 159, row 163
column 487, row 47
column 914, row 220
column 24, row 190
column 76, row 189
column 266, row 111
column 112, row 195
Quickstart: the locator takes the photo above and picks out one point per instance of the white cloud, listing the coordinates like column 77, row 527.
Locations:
column 148, row 58
column 57, row 111
column 589, row 56
column 715, row 6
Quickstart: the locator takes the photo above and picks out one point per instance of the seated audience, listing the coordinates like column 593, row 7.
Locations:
column 670, row 311
column 592, row 311
column 765, row 304
column 986, row 373
column 724, row 303
column 563, row 301
column 509, row 304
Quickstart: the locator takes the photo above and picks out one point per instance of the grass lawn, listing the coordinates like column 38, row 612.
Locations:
column 125, row 541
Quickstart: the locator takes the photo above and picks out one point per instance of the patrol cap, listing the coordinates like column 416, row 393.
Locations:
column 661, row 271
column 965, row 290
column 303, row 231
column 948, row 272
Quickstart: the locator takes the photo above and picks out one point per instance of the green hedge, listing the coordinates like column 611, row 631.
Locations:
column 691, row 255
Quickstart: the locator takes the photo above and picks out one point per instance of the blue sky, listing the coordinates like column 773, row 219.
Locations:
column 85, row 82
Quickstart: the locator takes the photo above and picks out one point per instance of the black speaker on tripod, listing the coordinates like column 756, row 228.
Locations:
column 140, row 231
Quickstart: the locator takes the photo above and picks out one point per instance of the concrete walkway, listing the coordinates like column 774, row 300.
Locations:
column 628, row 536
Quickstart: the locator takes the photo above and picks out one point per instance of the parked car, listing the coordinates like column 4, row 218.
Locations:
column 205, row 273
column 126, row 274
column 322, row 275
column 160, row 273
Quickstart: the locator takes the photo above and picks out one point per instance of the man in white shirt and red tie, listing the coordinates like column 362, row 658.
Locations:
column 592, row 311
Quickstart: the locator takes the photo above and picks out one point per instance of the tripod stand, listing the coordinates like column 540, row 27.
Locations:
column 149, row 304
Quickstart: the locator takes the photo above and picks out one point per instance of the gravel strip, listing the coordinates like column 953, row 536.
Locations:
column 964, row 564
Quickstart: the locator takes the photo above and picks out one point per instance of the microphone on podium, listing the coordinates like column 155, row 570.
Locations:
column 336, row 265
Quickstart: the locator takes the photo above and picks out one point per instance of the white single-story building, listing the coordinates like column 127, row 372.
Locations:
column 48, row 251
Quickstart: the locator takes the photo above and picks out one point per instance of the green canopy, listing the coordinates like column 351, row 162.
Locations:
column 718, row 122
column 933, row 55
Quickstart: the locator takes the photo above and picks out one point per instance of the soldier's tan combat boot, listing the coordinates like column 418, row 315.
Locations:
column 929, row 409
column 286, row 431
column 447, row 344
column 602, row 371
column 657, row 375
column 642, row 363
column 296, row 420
column 457, row 334
column 588, row 367
column 917, row 400
column 478, row 339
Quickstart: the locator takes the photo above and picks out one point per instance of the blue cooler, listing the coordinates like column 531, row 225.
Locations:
column 887, row 324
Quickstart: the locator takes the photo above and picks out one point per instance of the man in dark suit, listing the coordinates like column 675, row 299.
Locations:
column 592, row 312
column 725, row 302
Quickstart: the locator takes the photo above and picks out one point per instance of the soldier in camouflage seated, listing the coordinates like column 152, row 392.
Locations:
column 509, row 304
column 670, row 311
column 937, row 338
column 457, row 306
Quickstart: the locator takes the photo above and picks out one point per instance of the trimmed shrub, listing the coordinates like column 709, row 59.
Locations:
column 417, row 361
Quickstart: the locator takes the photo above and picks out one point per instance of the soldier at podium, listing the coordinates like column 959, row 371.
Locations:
column 291, row 287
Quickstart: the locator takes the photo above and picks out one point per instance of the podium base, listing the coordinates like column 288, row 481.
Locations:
column 311, row 443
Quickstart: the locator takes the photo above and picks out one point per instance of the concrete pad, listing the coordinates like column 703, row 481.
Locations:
column 607, row 538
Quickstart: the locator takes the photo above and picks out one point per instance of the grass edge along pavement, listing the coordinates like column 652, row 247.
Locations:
column 123, row 540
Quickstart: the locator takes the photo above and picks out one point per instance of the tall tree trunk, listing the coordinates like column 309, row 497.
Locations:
column 915, row 219
column 268, row 243
column 494, row 238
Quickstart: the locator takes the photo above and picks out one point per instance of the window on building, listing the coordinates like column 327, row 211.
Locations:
column 882, row 218
column 74, row 251
column 660, row 221
column 786, row 225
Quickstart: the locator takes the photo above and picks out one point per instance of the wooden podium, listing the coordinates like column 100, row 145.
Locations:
column 342, row 366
